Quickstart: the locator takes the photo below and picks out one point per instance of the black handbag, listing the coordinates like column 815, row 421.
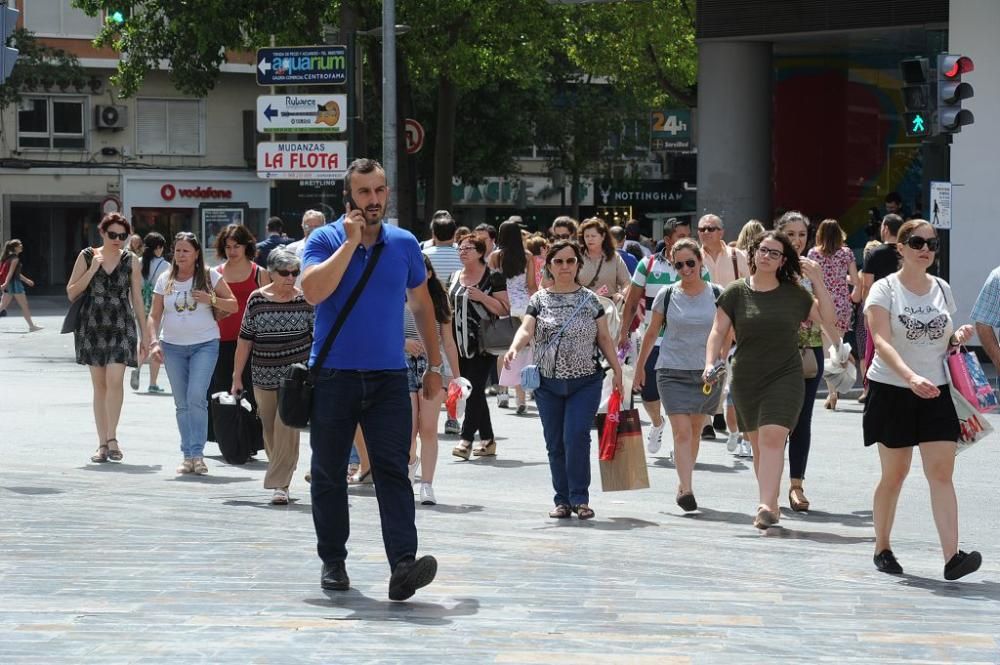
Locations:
column 295, row 391
column 72, row 319
column 496, row 334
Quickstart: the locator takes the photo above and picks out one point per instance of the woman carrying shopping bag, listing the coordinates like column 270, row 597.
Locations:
column 567, row 325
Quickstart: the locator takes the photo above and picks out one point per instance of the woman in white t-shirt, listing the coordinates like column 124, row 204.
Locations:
column 185, row 299
column 909, row 402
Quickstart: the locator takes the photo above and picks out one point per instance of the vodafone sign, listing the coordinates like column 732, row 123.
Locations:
column 301, row 160
column 169, row 192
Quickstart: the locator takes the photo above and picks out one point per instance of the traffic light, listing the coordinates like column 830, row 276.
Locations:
column 951, row 117
column 8, row 55
column 116, row 17
column 916, row 96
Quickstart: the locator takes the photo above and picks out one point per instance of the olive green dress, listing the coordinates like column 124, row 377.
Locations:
column 767, row 371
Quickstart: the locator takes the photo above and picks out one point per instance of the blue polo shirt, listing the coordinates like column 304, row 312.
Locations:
column 372, row 336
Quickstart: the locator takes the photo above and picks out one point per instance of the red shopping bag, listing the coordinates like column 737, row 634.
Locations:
column 609, row 432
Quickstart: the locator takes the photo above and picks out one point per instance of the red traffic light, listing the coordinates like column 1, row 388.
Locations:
column 956, row 65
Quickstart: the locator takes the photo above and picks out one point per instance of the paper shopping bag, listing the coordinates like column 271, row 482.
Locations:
column 627, row 469
column 968, row 378
column 973, row 426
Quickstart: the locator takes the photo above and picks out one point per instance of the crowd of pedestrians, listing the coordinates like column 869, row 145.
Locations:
column 709, row 334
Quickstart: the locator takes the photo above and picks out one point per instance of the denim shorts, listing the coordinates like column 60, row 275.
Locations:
column 16, row 286
column 415, row 368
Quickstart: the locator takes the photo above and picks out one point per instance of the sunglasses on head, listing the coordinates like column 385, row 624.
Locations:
column 288, row 273
column 917, row 243
column 116, row 236
column 569, row 261
column 690, row 263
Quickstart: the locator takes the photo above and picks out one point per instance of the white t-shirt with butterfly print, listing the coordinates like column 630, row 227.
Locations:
column 920, row 328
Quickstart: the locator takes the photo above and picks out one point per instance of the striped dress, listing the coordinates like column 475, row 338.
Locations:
column 281, row 333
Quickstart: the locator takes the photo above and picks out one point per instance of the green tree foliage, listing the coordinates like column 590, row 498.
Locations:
column 39, row 67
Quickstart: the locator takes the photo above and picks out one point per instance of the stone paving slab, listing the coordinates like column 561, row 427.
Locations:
column 128, row 564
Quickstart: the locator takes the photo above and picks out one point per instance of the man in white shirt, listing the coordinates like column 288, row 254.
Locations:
column 725, row 264
column 311, row 220
column 442, row 252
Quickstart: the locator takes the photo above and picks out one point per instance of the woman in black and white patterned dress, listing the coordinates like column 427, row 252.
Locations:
column 105, row 336
column 567, row 324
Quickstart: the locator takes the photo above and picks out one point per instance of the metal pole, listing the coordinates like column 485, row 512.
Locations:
column 389, row 127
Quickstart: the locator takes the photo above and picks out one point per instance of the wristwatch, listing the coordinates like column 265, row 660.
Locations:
column 437, row 369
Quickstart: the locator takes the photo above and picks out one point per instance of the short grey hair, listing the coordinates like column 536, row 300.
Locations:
column 280, row 258
column 310, row 214
column 711, row 217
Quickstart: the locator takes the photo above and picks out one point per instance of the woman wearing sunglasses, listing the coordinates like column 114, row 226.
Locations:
column 185, row 300
column 687, row 308
column 275, row 333
column 909, row 404
column 765, row 311
column 568, row 327
column 105, row 337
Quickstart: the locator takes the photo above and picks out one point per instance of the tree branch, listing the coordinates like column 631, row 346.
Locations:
column 680, row 94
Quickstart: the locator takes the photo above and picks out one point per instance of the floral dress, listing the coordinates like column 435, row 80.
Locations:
column 106, row 333
column 836, row 268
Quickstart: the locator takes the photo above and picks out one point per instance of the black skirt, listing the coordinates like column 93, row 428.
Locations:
column 898, row 418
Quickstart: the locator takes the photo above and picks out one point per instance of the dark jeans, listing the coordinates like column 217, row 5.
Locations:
column 477, row 411
column 567, row 408
column 380, row 402
column 800, row 438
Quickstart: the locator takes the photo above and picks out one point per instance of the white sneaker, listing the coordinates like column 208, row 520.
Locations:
column 427, row 495
column 413, row 470
column 745, row 449
column 655, row 438
column 733, row 441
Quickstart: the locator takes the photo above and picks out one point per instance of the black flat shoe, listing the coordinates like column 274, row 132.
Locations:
column 962, row 564
column 411, row 575
column 687, row 502
column 708, row 433
column 886, row 562
column 334, row 577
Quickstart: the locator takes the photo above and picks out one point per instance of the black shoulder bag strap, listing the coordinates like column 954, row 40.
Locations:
column 348, row 306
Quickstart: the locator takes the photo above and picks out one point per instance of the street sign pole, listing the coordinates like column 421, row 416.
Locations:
column 389, row 124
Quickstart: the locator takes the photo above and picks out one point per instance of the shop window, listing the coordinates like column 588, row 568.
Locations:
column 54, row 123
column 59, row 18
column 170, row 127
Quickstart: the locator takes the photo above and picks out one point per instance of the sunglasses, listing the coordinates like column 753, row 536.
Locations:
column 288, row 273
column 917, row 243
column 708, row 229
column 690, row 263
column 770, row 253
column 571, row 261
column 562, row 237
column 467, row 248
column 116, row 236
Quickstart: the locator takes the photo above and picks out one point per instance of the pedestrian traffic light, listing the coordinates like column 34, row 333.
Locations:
column 916, row 96
column 8, row 55
column 951, row 117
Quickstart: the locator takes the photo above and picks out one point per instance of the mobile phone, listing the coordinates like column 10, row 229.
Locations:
column 348, row 202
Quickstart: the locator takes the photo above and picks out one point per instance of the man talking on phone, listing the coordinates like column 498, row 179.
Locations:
column 362, row 379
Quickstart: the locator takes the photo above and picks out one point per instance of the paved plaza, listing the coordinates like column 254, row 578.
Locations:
column 127, row 563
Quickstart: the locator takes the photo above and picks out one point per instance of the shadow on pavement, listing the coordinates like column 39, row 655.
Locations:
column 859, row 518
column 364, row 608
column 815, row 536
column 122, row 467
column 453, row 510
column 209, row 480
column 709, row 515
column 505, row 463
column 33, row 491
column 963, row 590
column 293, row 506
column 666, row 463
column 605, row 523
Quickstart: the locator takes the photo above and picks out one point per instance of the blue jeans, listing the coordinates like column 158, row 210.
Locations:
column 800, row 438
column 190, row 368
column 567, row 408
column 380, row 402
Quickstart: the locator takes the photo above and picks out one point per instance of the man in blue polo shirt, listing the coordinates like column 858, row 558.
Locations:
column 363, row 379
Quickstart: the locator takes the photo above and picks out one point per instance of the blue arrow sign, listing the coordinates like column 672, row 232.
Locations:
column 302, row 65
column 270, row 113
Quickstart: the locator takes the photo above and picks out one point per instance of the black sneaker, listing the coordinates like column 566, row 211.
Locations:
column 411, row 575
column 962, row 564
column 334, row 577
column 708, row 433
column 886, row 562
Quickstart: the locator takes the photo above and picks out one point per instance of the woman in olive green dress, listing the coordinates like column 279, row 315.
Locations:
column 765, row 310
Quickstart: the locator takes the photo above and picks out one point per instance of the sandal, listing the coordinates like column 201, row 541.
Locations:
column 561, row 511
column 101, row 455
column 583, row 511
column 485, row 449
column 198, row 466
column 114, row 454
column 351, row 470
column 765, row 518
column 463, row 450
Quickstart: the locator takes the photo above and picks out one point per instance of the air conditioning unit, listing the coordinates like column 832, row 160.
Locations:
column 111, row 117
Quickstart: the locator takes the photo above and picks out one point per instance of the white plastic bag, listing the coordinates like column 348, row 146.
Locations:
column 838, row 370
column 628, row 375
